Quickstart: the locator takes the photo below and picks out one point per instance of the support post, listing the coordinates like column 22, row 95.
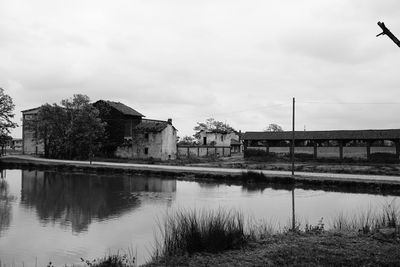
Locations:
column 397, row 142
column 207, row 152
column 315, row 149
column 188, row 152
column 341, row 150
column 368, row 150
column 198, row 151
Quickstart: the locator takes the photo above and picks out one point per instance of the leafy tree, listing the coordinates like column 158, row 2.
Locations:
column 212, row 125
column 187, row 141
column 273, row 127
column 72, row 130
column 6, row 116
column 114, row 128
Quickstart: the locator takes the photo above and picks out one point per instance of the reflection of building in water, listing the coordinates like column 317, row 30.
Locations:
column 5, row 203
column 138, row 184
column 76, row 199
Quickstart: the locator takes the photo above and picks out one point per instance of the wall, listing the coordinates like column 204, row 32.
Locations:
column 29, row 143
column 204, row 151
column 332, row 152
column 160, row 145
column 216, row 137
column 168, row 149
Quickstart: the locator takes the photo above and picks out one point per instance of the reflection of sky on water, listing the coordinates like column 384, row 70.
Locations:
column 63, row 217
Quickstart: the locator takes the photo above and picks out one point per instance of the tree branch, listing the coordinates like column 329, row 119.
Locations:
column 386, row 31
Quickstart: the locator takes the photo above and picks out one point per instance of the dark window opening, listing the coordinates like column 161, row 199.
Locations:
column 146, row 136
column 204, row 140
column 146, row 150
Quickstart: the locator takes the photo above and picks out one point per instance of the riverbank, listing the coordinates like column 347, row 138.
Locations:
column 302, row 249
column 302, row 179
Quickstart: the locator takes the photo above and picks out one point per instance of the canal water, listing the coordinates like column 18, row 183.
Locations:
column 63, row 217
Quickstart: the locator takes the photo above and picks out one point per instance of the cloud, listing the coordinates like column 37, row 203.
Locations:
column 237, row 61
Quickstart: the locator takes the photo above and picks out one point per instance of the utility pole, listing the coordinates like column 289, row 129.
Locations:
column 292, row 148
column 293, row 209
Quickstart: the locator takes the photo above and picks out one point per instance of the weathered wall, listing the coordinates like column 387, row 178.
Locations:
column 332, row 152
column 168, row 148
column 216, row 138
column 30, row 144
column 203, row 151
column 160, row 145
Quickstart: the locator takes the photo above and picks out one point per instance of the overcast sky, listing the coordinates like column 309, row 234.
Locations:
column 240, row 62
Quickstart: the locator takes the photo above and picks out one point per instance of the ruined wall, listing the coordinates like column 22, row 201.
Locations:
column 158, row 145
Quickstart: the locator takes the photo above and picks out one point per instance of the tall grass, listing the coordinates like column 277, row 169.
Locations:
column 190, row 231
column 369, row 221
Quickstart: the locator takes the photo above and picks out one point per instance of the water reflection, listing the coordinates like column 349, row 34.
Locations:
column 5, row 203
column 76, row 199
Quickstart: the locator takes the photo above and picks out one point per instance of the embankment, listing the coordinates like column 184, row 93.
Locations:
column 250, row 177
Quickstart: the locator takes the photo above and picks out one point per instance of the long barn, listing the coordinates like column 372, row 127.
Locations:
column 338, row 141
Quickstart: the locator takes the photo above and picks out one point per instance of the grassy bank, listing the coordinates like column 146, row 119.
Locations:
column 224, row 239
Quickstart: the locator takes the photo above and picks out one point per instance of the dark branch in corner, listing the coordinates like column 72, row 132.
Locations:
column 386, row 31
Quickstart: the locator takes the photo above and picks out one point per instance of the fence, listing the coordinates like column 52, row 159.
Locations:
column 203, row 151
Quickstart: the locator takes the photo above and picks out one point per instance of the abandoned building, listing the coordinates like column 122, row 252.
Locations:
column 30, row 144
column 329, row 144
column 221, row 138
column 142, row 138
column 128, row 134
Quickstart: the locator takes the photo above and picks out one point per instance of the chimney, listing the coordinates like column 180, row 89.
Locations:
column 169, row 121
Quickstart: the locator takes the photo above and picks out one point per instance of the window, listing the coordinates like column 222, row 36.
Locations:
column 146, row 136
column 146, row 150
column 222, row 138
column 204, row 140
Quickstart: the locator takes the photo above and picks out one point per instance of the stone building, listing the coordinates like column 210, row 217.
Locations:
column 129, row 135
column 142, row 138
column 151, row 139
column 221, row 138
column 30, row 144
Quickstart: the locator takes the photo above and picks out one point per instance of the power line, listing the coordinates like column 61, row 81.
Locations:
column 349, row 103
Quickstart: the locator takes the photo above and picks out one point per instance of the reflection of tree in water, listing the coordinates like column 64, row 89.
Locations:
column 5, row 204
column 78, row 198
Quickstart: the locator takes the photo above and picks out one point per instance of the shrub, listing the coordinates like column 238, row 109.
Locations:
column 381, row 157
column 260, row 155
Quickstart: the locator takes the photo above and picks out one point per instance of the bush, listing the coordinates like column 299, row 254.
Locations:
column 382, row 157
column 260, row 155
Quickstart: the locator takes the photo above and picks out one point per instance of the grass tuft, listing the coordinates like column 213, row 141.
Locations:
column 188, row 232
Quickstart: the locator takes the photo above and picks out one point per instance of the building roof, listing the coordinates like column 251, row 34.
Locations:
column 152, row 125
column 386, row 134
column 235, row 142
column 31, row 110
column 124, row 109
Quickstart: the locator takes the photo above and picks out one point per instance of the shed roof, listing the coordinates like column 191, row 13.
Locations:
column 386, row 134
column 124, row 109
column 152, row 125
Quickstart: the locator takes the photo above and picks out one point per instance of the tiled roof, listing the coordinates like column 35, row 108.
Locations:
column 151, row 126
column 325, row 135
column 124, row 109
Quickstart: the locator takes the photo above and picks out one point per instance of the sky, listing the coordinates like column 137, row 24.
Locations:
column 240, row 62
